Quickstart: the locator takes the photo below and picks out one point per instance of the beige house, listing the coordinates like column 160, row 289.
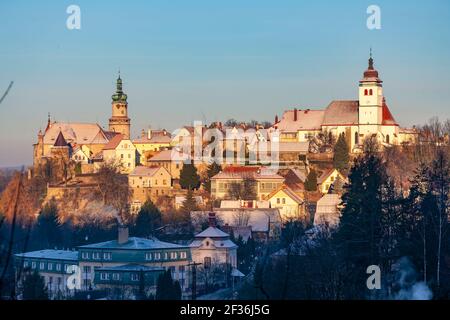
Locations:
column 148, row 183
column 266, row 180
column 328, row 210
column 123, row 151
column 290, row 204
column 327, row 178
column 172, row 160
column 150, row 142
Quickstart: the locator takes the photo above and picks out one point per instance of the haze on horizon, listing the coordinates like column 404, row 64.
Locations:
column 203, row 60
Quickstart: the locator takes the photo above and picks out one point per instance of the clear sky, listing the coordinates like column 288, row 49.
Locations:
column 212, row 60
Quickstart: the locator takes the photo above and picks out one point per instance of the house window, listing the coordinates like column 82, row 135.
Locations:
column 356, row 138
column 387, row 139
column 370, row 92
column 104, row 276
column 25, row 264
column 207, row 262
column 165, row 255
column 58, row 267
column 284, row 201
column 33, row 265
column 85, row 255
column 87, row 269
column 157, row 256
column 278, row 200
column 121, row 156
column 50, row 266
column 95, row 255
column 332, row 179
column 183, row 255
column 107, row 256
column 365, row 92
column 173, row 255
column 134, row 277
column 148, row 256
column 129, row 156
column 116, row 276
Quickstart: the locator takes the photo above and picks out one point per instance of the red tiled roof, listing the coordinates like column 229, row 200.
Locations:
column 388, row 119
column 114, row 142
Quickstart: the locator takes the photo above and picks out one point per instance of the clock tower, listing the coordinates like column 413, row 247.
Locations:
column 370, row 101
column 119, row 121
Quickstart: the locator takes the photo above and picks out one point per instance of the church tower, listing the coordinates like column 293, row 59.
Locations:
column 119, row 121
column 370, row 101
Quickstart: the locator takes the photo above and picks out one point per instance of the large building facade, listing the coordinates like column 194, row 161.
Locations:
column 369, row 116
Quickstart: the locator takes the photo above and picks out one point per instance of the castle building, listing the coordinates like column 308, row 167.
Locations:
column 369, row 116
column 119, row 122
column 86, row 140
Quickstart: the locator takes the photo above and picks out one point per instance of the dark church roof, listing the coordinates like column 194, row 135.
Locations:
column 60, row 141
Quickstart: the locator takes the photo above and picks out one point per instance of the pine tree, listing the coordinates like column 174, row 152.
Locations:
column 341, row 154
column 147, row 220
column 311, row 181
column 189, row 178
column 211, row 171
column 166, row 288
column 48, row 228
column 189, row 203
column 34, row 287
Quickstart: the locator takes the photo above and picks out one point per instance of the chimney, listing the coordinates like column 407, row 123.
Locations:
column 143, row 133
column 295, row 114
column 149, row 133
column 123, row 234
column 212, row 219
column 276, row 119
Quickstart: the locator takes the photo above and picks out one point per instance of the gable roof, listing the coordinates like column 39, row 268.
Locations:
column 50, row 254
column 324, row 176
column 212, row 232
column 289, row 192
column 307, row 120
column 243, row 172
column 114, row 142
column 157, row 136
column 60, row 141
column 133, row 243
column 142, row 171
column 341, row 112
column 79, row 133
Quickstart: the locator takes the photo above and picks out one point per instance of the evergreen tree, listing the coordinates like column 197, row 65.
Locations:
column 147, row 220
column 189, row 203
column 166, row 288
column 361, row 231
column 48, row 231
column 34, row 287
column 311, row 181
column 341, row 154
column 211, row 171
column 189, row 178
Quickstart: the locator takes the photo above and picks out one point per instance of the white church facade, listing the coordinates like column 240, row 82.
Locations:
column 369, row 116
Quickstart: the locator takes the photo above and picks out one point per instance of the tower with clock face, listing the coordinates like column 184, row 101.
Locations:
column 370, row 102
column 119, row 121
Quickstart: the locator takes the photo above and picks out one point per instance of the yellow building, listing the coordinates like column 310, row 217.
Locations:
column 148, row 183
column 123, row 151
column 327, row 178
column 266, row 181
column 151, row 142
column 171, row 160
column 289, row 203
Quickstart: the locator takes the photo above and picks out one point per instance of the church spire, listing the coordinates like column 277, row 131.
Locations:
column 119, row 96
column 370, row 61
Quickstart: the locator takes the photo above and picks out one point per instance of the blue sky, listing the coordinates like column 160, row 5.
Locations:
column 213, row 60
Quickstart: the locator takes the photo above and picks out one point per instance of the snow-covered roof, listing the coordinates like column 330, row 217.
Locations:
column 170, row 155
column 79, row 133
column 216, row 243
column 50, row 254
column 306, row 120
column 130, row 267
column 212, row 232
column 134, row 243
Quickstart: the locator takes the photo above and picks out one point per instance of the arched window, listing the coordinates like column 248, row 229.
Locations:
column 370, row 92
column 365, row 92
column 356, row 138
column 387, row 139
